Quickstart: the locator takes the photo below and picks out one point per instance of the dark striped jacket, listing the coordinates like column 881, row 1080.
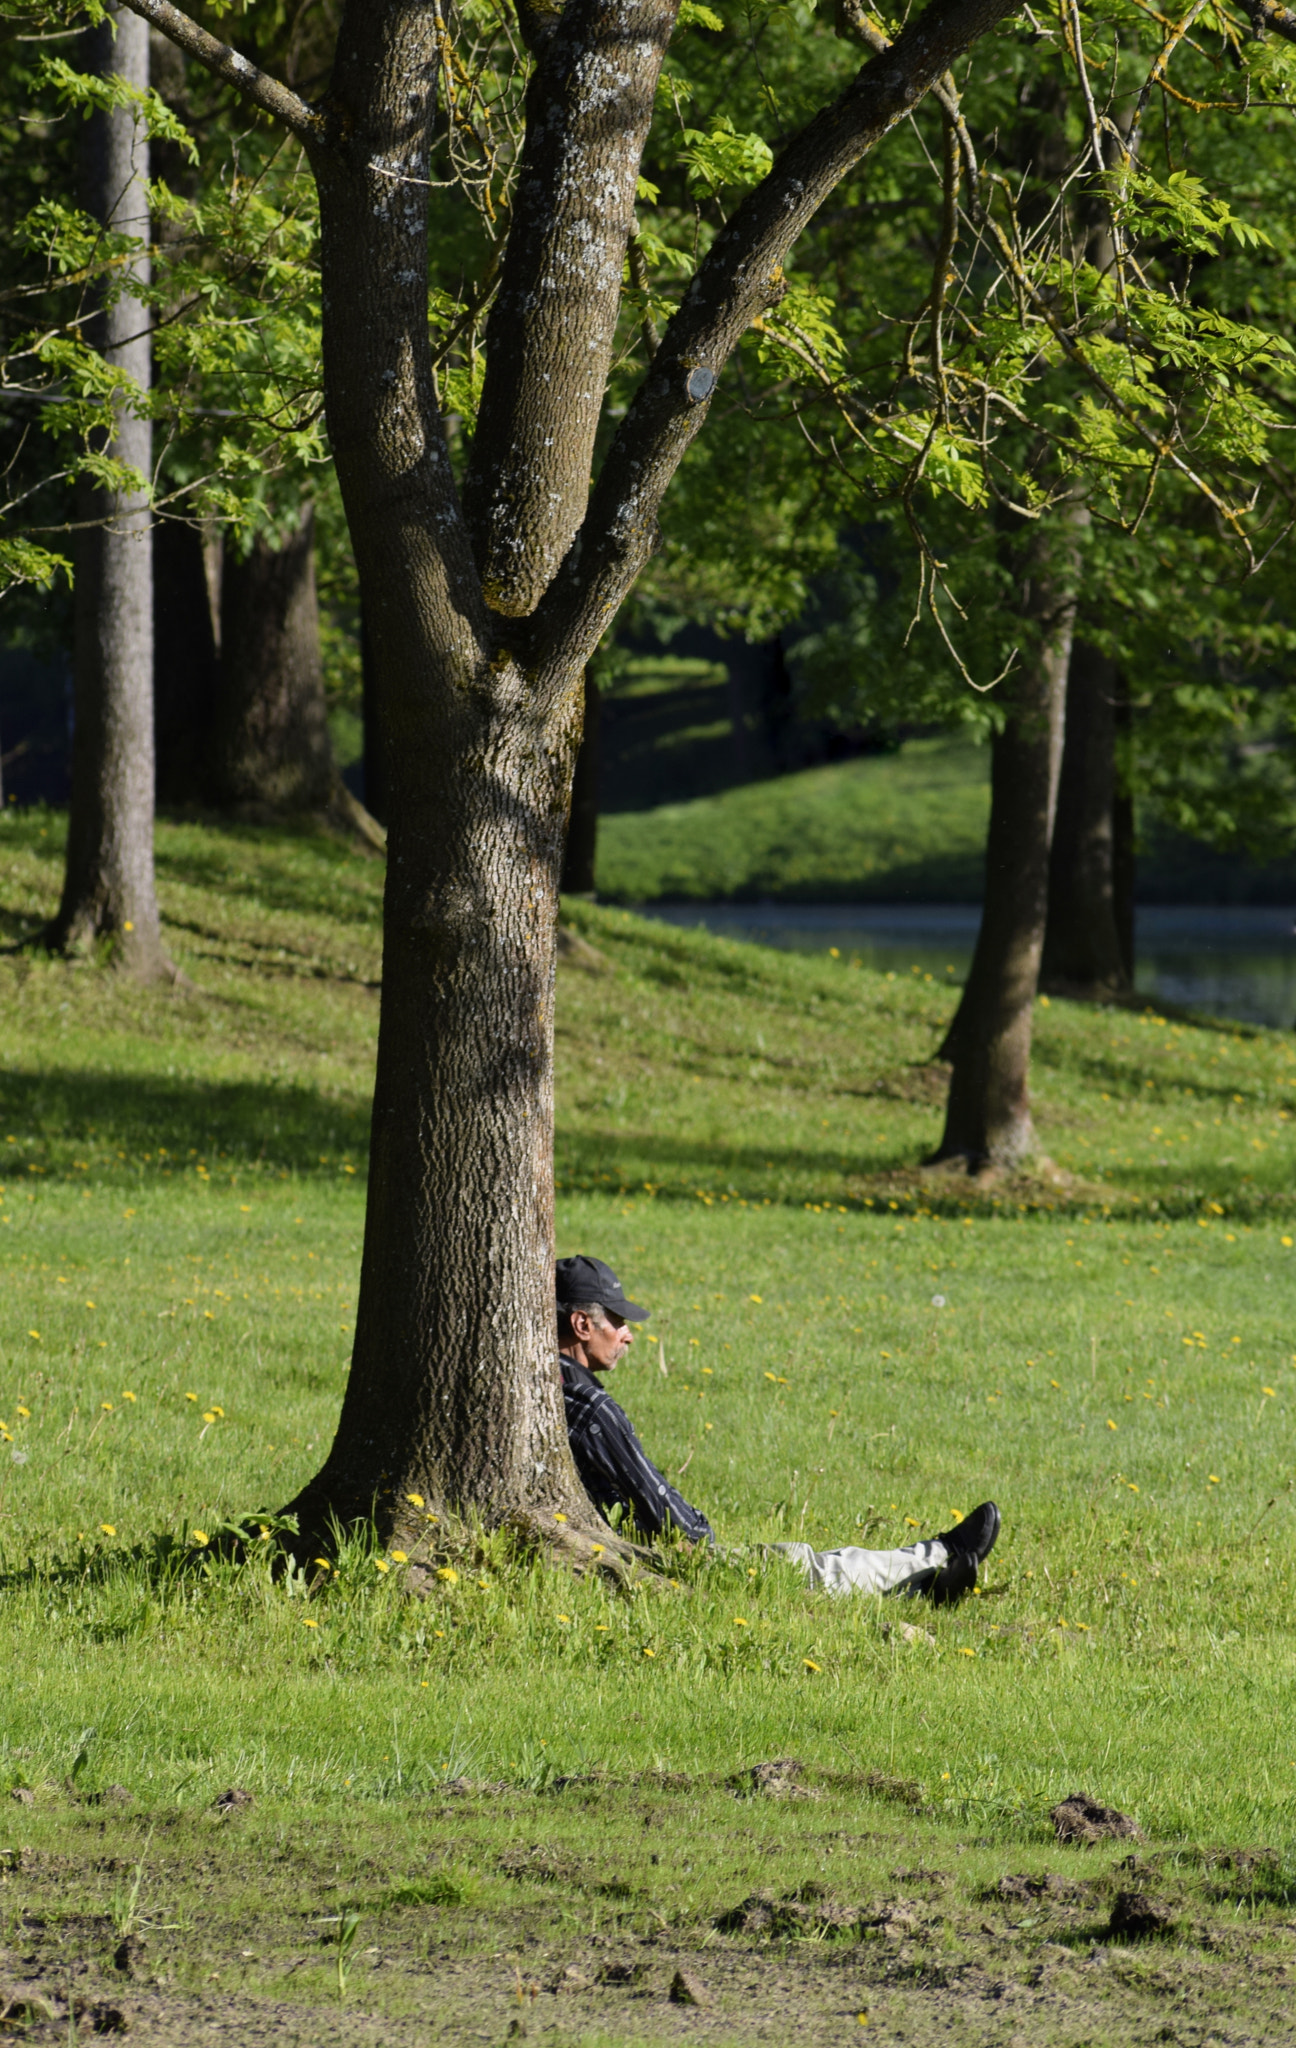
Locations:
column 612, row 1465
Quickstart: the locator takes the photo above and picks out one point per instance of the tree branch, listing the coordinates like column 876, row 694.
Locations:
column 740, row 277
column 226, row 63
column 1268, row 14
column 552, row 328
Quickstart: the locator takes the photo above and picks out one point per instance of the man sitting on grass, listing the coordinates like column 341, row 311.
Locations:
column 594, row 1334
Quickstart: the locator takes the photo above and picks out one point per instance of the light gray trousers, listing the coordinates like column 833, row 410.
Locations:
column 863, row 1571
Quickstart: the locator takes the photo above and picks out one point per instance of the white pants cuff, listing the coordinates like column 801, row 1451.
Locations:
column 863, row 1571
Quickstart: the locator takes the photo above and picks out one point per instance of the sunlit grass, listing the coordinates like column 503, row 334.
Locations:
column 840, row 1349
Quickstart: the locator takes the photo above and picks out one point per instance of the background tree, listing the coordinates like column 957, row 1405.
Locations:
column 108, row 891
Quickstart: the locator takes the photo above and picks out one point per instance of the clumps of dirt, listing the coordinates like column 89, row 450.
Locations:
column 540, row 1865
column 623, row 1973
column 922, row 1880
column 900, row 1791
column 571, row 1979
column 778, row 1779
column 811, row 1912
column 112, row 1795
column 1248, row 1874
column 1139, row 1916
column 1082, row 1819
column 129, row 1953
column 1028, row 1890
column 230, row 1802
column 686, row 1989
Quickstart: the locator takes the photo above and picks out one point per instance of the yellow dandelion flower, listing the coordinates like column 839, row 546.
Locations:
column 36, row 1334
column 756, row 1298
column 322, row 1562
column 89, row 1304
column 107, row 1407
column 739, row 1621
column 438, row 1632
column 399, row 1557
column 650, row 1653
column 127, row 1395
column 308, row 1623
column 107, row 1528
column 191, row 1397
column 564, row 1617
column 415, row 1499
column 1212, row 1479
column 25, row 1412
column 381, row 1564
column 596, row 1549
column 910, row 1522
column 1264, row 1390
column 448, row 1575
column 560, row 1518
column 218, row 1410
column 484, row 1585
column 208, row 1416
column 810, row 1664
column 200, row 1536
column 965, row 1652
column 1110, row 1423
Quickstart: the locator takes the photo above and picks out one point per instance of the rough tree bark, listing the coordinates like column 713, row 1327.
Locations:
column 580, row 854
column 268, row 748
column 481, row 620
column 988, row 1118
column 1083, row 955
column 109, row 894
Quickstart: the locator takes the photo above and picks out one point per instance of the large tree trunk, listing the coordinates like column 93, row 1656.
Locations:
column 988, row 1116
column 1123, row 846
column 269, row 748
column 580, row 855
column 109, row 893
column 482, row 614
column 1083, row 955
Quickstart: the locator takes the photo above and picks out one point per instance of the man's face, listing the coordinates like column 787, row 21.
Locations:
column 604, row 1341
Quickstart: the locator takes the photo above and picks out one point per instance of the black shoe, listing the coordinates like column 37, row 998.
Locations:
column 974, row 1536
column 944, row 1585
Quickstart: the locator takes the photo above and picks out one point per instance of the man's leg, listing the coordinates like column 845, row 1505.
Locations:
column 944, row 1566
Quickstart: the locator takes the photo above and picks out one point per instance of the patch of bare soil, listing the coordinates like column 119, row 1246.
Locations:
column 615, row 1915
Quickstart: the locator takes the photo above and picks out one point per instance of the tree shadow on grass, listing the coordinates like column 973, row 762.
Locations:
column 273, row 1125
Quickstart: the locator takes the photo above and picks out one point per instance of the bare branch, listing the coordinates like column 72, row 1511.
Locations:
column 227, row 64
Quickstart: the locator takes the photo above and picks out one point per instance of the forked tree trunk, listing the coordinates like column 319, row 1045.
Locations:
column 481, row 615
column 580, row 856
column 988, row 1116
column 109, row 893
column 269, row 748
column 1083, row 956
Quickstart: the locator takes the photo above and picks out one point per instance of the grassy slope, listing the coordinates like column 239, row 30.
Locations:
column 181, row 1224
column 877, row 829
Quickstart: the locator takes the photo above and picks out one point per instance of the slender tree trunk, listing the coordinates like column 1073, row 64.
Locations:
column 109, row 892
column 988, row 1117
column 269, row 747
column 581, row 853
column 1083, row 956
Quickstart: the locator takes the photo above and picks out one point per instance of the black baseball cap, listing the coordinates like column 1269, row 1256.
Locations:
column 590, row 1280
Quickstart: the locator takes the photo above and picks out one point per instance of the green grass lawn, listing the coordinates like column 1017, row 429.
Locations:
column 878, row 829
column 841, row 1348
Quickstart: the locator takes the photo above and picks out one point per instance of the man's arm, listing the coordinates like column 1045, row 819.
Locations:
column 615, row 1469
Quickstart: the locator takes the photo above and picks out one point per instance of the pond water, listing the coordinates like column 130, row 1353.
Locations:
column 1230, row 963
